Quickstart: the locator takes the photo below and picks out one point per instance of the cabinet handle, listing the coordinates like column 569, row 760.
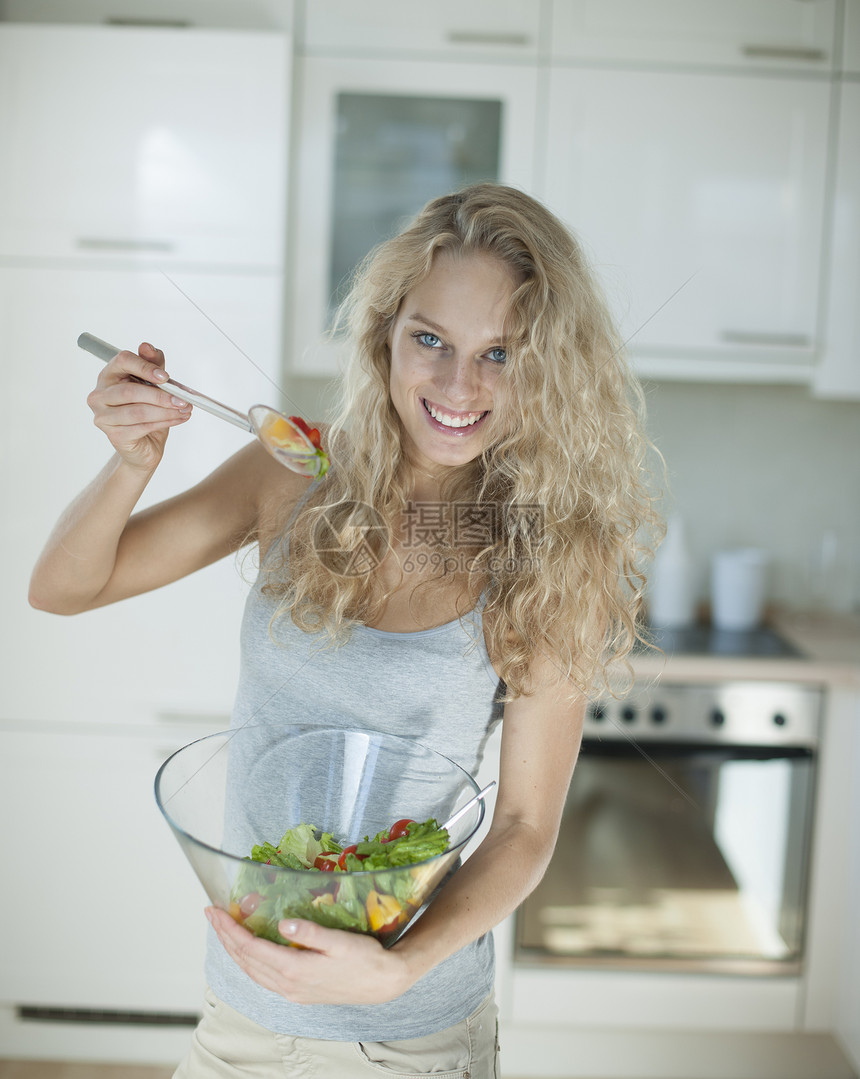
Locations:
column 783, row 52
column 138, row 21
column 106, row 243
column 216, row 721
column 482, row 37
column 750, row 337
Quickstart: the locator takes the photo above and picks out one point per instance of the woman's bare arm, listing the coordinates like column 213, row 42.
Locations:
column 101, row 551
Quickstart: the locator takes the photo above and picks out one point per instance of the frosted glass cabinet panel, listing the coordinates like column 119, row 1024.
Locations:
column 701, row 199
column 393, row 154
column 372, row 153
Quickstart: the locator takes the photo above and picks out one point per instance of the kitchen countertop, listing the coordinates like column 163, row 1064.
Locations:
column 830, row 644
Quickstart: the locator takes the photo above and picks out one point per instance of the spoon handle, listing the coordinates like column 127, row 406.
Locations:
column 105, row 352
column 465, row 808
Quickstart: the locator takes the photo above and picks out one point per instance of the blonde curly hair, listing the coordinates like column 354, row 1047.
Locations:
column 571, row 589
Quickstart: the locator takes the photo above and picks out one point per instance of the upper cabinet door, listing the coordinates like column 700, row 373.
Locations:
column 838, row 372
column 737, row 33
column 851, row 38
column 149, row 144
column 446, row 29
column 376, row 141
column 701, row 198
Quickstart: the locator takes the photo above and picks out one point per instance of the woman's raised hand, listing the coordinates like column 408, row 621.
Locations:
column 136, row 418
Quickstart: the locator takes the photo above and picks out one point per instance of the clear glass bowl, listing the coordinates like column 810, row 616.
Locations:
column 225, row 793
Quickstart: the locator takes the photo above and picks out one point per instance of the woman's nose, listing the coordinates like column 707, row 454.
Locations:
column 460, row 380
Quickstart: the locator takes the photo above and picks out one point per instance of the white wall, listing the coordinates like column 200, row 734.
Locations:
column 768, row 466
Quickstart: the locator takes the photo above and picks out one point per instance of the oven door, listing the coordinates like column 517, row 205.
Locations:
column 675, row 856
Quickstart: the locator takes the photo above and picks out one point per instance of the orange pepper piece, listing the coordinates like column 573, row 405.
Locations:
column 383, row 911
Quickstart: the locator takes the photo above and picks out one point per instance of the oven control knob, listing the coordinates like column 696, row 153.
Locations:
column 658, row 715
column 718, row 717
column 596, row 712
column 628, row 714
column 779, row 719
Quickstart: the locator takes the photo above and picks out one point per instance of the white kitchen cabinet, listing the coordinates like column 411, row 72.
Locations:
column 838, row 371
column 701, row 198
column 261, row 15
column 851, row 38
column 165, row 146
column 169, row 146
column 375, row 141
column 174, row 650
column 848, row 1022
column 100, row 909
column 734, row 33
column 448, row 29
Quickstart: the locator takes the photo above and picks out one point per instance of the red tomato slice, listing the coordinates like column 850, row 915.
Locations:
column 249, row 903
column 300, row 423
column 325, row 863
column 399, row 829
column 311, row 432
column 349, row 850
column 346, row 850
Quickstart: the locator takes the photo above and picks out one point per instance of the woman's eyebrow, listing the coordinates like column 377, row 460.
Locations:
column 418, row 317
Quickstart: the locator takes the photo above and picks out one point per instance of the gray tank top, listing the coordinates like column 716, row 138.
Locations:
column 436, row 686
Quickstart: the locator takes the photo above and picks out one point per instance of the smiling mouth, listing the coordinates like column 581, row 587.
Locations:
column 453, row 421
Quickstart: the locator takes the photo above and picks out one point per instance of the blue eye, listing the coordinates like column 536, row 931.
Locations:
column 428, row 340
column 498, row 355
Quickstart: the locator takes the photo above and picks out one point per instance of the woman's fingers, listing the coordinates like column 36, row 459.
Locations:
column 134, row 397
column 130, row 382
column 148, row 367
column 147, row 363
column 327, row 966
column 132, row 410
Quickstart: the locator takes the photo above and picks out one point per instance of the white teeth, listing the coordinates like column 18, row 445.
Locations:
column 453, row 421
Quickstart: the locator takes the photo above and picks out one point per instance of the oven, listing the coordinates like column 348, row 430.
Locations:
column 685, row 839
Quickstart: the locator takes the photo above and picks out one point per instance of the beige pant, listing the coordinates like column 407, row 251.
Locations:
column 226, row 1045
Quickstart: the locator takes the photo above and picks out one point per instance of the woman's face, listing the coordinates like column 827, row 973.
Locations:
column 447, row 349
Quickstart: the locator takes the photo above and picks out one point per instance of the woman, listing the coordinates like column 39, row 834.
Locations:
column 473, row 550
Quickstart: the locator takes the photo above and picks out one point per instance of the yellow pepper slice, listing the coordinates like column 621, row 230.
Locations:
column 382, row 909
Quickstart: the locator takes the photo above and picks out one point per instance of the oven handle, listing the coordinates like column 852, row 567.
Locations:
column 632, row 748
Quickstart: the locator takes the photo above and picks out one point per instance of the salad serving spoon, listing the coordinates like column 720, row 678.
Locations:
column 464, row 809
column 287, row 438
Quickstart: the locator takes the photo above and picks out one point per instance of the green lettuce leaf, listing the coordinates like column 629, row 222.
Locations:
column 302, row 843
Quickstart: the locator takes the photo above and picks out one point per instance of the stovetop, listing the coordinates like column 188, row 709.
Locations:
column 705, row 640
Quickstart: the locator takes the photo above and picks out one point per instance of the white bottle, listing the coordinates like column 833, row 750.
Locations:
column 671, row 602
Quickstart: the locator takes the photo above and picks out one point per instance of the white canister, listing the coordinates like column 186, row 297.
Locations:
column 671, row 597
column 738, row 586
